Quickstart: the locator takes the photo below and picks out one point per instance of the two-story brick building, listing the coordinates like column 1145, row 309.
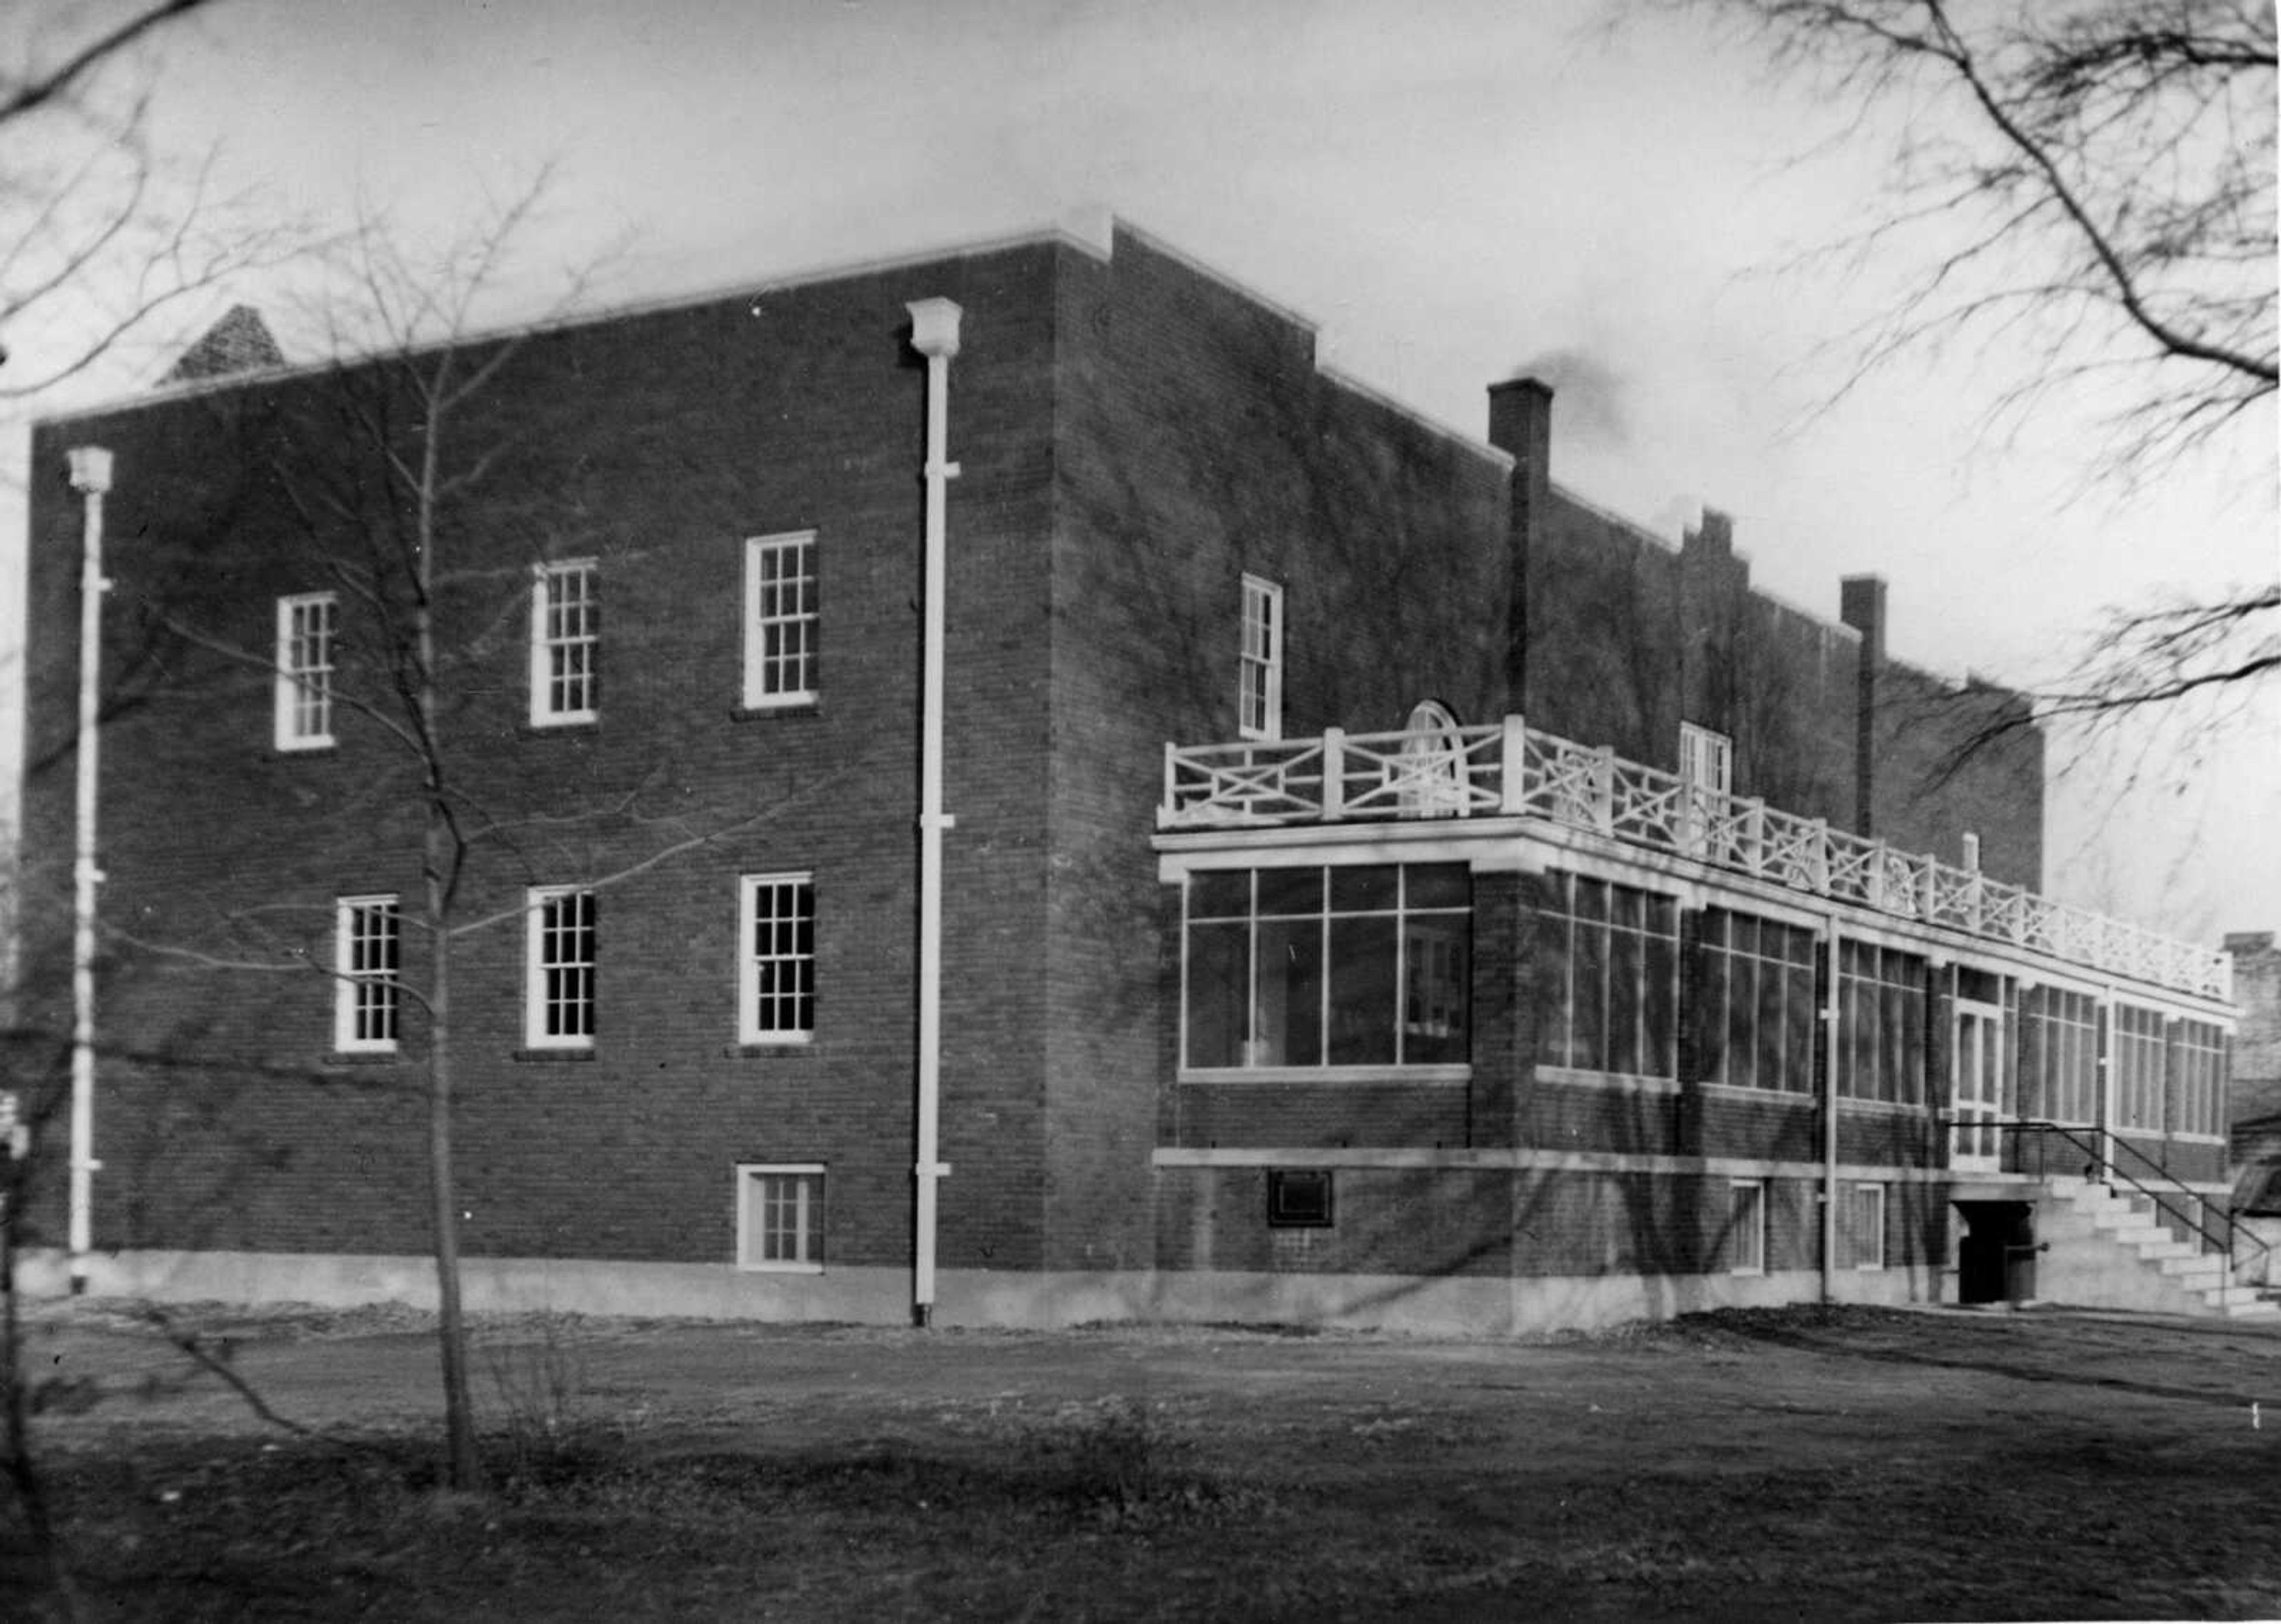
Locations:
column 1601, row 966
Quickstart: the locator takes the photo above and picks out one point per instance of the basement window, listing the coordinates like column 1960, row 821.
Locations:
column 1299, row 1198
column 780, row 1216
column 1746, row 1226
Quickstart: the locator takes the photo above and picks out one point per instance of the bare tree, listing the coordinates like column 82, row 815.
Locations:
column 2094, row 181
column 107, row 244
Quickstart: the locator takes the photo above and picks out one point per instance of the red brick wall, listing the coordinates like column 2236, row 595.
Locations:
column 656, row 443
column 1197, row 442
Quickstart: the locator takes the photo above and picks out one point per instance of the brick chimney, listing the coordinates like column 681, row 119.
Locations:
column 1521, row 424
column 1861, row 605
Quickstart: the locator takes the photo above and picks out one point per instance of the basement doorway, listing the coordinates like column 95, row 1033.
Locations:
column 1996, row 1255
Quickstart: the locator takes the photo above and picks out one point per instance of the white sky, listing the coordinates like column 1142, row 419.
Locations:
column 1450, row 190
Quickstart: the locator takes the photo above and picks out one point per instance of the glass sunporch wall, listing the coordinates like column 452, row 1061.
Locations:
column 1354, row 966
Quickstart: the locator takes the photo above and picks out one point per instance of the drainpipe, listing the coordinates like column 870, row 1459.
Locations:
column 934, row 334
column 90, row 477
column 1830, row 1036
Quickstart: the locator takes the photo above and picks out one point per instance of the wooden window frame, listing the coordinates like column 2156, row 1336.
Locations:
column 545, row 935
column 759, row 1205
column 785, row 602
column 566, row 643
column 307, row 664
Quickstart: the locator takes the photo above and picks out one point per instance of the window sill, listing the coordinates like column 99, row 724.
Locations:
column 286, row 753
column 543, row 1057
column 364, row 1057
column 1740, row 1091
column 807, row 707
column 767, row 1051
column 571, row 727
column 1457, row 1076
column 1622, row 1082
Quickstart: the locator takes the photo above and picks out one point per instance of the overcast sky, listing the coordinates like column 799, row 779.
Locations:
column 1453, row 191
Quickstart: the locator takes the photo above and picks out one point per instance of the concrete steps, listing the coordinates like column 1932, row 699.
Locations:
column 2106, row 1249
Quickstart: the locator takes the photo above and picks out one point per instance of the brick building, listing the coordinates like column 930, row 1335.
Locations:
column 1377, row 885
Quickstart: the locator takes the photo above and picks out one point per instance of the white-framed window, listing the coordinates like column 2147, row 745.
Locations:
column 1746, row 1226
column 566, row 643
column 1361, row 965
column 2059, row 1054
column 1613, row 957
column 1883, row 1018
column 1259, row 682
column 780, row 1216
column 559, row 985
column 1755, row 1013
column 776, row 959
column 308, row 625
column 2135, row 1067
column 780, row 620
column 1706, row 759
column 1865, row 1224
column 2198, row 1082
column 368, row 956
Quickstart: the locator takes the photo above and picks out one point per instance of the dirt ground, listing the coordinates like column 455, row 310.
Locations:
column 1860, row 1464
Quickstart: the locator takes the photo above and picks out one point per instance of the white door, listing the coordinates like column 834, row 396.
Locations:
column 1977, row 1101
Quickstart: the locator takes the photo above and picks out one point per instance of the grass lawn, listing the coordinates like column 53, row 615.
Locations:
column 1861, row 1464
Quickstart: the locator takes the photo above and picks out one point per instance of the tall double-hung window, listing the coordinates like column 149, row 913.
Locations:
column 1369, row 965
column 1614, row 952
column 560, row 964
column 776, row 989
column 1259, row 667
column 367, row 957
column 309, row 626
column 780, row 620
column 566, row 643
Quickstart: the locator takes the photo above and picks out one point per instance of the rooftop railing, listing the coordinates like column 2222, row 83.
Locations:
column 1509, row 770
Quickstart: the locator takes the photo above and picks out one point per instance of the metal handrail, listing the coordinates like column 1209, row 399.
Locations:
column 2101, row 1167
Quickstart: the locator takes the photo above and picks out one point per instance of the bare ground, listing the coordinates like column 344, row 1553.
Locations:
column 1857, row 1464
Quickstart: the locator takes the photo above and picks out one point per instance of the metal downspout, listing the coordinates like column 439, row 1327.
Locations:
column 90, row 477
column 934, row 334
column 1829, row 1040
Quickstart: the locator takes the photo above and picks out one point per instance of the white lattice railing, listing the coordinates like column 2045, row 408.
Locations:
column 1507, row 769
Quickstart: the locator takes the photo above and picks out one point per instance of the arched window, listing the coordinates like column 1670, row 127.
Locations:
column 1432, row 764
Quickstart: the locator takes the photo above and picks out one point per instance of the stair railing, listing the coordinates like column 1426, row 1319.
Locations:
column 2191, row 1211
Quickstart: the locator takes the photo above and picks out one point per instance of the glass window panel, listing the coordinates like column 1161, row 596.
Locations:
column 1438, row 997
column 1711, row 1022
column 1364, row 990
column 1438, row 885
column 1220, row 965
column 1660, row 1057
column 1624, row 971
column 1767, row 1063
column 1798, row 1042
column 1220, row 896
column 1373, row 889
column 1589, row 1003
column 1290, row 891
column 1290, row 991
